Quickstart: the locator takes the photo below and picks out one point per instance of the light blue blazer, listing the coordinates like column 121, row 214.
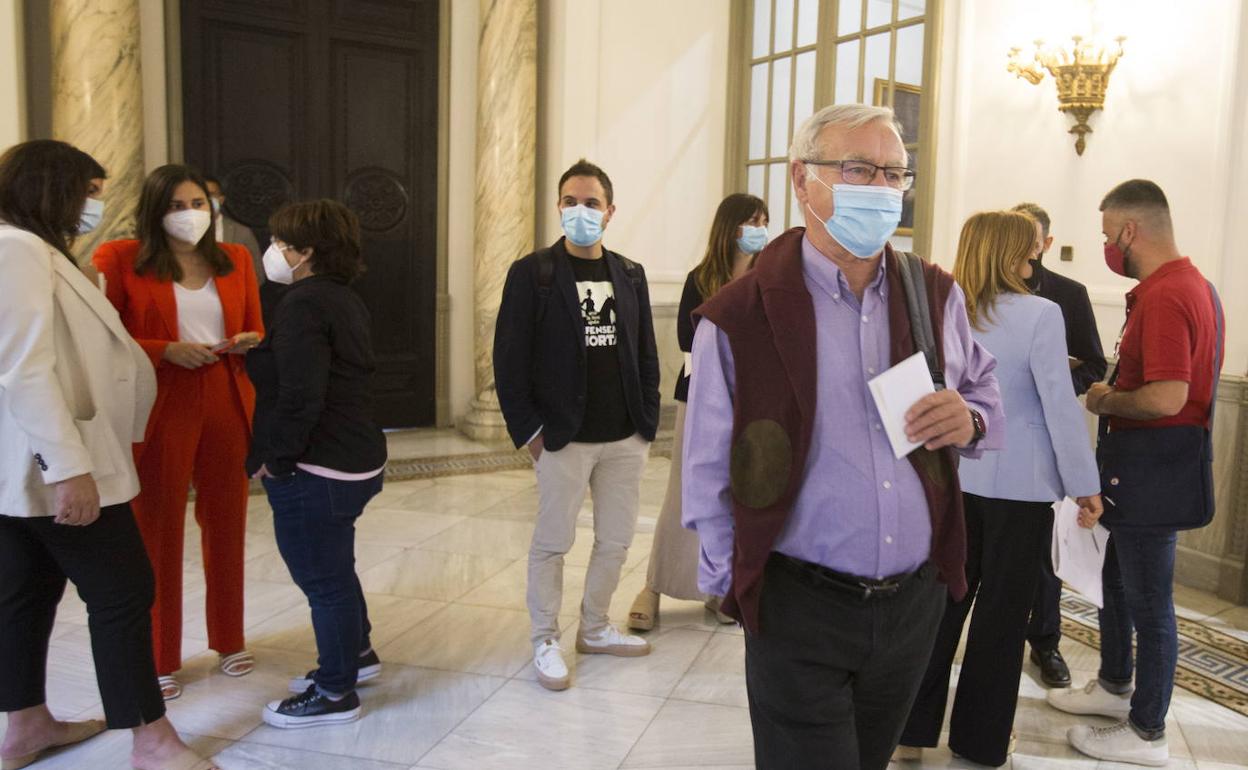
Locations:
column 1048, row 453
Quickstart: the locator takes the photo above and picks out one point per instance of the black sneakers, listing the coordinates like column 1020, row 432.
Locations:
column 311, row 709
column 370, row 668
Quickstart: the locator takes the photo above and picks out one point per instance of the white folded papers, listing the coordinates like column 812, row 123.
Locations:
column 895, row 391
column 1078, row 553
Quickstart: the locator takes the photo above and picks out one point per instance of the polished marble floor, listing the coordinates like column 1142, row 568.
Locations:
column 442, row 561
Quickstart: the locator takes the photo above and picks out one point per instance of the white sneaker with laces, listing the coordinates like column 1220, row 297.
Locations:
column 1119, row 743
column 552, row 672
column 1091, row 699
column 609, row 641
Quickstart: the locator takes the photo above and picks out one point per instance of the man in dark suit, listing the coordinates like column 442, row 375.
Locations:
column 580, row 387
column 1087, row 366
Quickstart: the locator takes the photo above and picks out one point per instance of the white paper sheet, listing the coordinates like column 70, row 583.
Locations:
column 895, row 391
column 1078, row 553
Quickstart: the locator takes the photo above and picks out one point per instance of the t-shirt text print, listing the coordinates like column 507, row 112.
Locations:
column 598, row 311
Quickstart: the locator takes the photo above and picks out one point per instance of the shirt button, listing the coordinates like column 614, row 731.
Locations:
column 889, row 539
column 888, row 485
column 870, row 370
column 877, row 426
column 836, row 296
column 865, row 319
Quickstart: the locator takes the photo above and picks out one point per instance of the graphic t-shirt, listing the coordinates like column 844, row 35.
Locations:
column 606, row 413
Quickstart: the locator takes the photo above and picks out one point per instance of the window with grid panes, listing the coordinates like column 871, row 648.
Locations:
column 801, row 55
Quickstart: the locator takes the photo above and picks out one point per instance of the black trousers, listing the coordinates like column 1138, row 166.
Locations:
column 108, row 565
column 1002, row 565
column 831, row 675
column 1044, row 632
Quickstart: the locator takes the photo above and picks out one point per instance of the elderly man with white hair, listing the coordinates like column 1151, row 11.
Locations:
column 835, row 555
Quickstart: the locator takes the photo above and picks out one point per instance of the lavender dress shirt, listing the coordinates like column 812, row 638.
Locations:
column 860, row 510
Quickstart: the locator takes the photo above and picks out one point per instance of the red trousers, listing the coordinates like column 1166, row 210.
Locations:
column 200, row 436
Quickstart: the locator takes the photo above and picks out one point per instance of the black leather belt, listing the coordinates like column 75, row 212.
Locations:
column 864, row 589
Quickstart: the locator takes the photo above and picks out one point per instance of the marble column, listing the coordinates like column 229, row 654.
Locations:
column 97, row 101
column 506, row 149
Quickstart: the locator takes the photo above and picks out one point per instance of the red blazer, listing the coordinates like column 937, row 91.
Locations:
column 150, row 312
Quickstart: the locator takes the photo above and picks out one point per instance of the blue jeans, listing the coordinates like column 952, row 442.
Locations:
column 314, row 521
column 1139, row 593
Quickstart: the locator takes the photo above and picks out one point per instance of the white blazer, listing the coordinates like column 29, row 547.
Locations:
column 75, row 388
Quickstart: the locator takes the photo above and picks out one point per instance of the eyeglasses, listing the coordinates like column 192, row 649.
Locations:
column 862, row 172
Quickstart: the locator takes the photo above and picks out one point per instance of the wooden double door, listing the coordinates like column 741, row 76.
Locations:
column 288, row 100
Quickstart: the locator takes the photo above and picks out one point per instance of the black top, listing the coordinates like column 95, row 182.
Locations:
column 312, row 372
column 1082, row 339
column 541, row 359
column 606, row 416
column 690, row 300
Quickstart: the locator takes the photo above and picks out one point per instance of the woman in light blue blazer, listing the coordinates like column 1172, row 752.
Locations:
column 1008, row 494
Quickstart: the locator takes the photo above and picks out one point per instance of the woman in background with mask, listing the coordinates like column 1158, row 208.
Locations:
column 738, row 233
column 317, row 450
column 194, row 307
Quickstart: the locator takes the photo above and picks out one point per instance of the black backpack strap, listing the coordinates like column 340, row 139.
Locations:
column 912, row 279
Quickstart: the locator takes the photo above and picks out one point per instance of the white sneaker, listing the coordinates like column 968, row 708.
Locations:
column 609, row 641
column 552, row 672
column 1119, row 743
column 1092, row 699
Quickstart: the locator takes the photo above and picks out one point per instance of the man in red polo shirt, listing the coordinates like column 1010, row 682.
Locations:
column 1166, row 372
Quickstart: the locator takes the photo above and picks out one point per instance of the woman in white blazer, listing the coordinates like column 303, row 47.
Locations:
column 75, row 392
column 1008, row 494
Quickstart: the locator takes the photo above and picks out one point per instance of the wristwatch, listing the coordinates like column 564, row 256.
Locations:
column 977, row 423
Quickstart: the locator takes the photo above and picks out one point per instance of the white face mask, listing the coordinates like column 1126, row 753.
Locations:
column 188, row 225
column 276, row 268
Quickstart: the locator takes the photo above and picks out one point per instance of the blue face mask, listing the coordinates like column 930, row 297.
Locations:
column 865, row 216
column 92, row 214
column 752, row 239
column 582, row 225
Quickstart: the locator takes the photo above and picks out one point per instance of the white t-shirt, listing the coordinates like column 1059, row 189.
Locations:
column 200, row 316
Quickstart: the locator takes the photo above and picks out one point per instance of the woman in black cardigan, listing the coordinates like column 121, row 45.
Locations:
column 738, row 233
column 316, row 448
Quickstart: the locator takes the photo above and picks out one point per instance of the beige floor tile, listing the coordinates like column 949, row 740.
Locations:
column 253, row 756
column 695, row 734
column 524, row 726
column 394, row 527
column 111, row 751
column 1233, row 621
column 451, row 499
column 292, row 630
column 475, row 640
column 406, row 712
column 1196, row 604
column 507, row 589
column 1212, row 733
column 431, row 575
column 262, row 600
column 717, row 675
column 484, row 537
column 522, row 506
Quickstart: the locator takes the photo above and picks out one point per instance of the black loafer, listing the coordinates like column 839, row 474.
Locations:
column 1053, row 669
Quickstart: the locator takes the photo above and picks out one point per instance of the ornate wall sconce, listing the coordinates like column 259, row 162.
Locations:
column 1082, row 74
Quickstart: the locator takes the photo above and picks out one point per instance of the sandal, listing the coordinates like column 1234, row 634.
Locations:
column 713, row 604
column 77, row 733
column 170, row 687
column 239, row 664
column 645, row 611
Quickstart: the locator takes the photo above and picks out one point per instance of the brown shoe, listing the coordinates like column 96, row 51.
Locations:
column 645, row 611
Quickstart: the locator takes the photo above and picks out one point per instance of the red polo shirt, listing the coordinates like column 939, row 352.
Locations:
column 1170, row 336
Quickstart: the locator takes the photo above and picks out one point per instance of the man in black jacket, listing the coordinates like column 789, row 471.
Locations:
column 577, row 374
column 1087, row 366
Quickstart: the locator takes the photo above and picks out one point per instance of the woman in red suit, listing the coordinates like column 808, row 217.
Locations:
column 194, row 307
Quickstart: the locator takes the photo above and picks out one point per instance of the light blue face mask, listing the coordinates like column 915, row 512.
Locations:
column 865, row 216
column 582, row 225
column 92, row 215
column 752, row 239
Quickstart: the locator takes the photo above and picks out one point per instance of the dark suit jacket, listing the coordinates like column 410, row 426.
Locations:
column 539, row 349
column 1082, row 339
